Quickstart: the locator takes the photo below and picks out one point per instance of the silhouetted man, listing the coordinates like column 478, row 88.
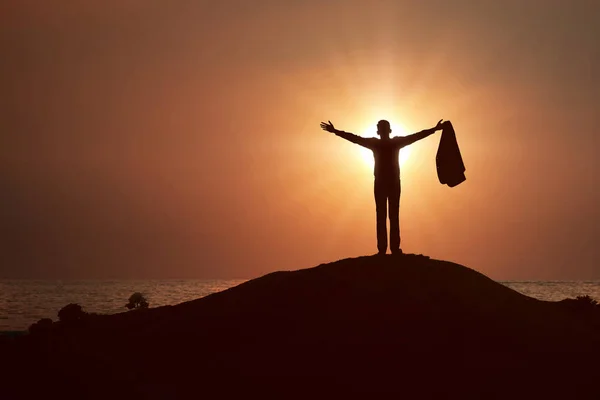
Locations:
column 387, row 176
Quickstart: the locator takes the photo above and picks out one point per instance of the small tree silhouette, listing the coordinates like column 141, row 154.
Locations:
column 71, row 314
column 137, row 300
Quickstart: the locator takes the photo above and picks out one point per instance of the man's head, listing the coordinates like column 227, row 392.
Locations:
column 384, row 129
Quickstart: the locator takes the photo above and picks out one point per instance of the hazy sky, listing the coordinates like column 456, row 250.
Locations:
column 174, row 139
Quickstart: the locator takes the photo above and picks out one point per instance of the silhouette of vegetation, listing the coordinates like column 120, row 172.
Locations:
column 582, row 303
column 43, row 326
column 71, row 314
column 586, row 301
column 137, row 301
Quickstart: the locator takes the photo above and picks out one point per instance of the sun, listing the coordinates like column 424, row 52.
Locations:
column 367, row 155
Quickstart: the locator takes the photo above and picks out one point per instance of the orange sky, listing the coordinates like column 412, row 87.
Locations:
column 181, row 139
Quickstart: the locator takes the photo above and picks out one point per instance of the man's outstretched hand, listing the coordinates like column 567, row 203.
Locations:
column 440, row 125
column 328, row 126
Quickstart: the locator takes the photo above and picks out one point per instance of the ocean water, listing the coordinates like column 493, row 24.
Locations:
column 23, row 302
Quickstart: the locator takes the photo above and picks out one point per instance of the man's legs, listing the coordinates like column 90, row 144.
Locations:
column 381, row 210
column 394, row 205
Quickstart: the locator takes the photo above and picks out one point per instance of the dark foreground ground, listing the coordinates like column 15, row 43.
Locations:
column 369, row 327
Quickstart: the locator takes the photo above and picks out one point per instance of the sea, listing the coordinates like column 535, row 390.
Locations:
column 23, row 302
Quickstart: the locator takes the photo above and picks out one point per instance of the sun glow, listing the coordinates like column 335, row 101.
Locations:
column 367, row 155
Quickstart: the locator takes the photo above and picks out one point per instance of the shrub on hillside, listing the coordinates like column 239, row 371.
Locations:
column 137, row 301
column 586, row 301
column 71, row 314
column 43, row 326
column 582, row 303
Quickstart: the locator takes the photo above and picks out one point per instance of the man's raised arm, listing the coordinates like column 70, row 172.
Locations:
column 328, row 126
column 410, row 139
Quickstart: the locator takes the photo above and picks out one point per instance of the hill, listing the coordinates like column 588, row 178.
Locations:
column 368, row 326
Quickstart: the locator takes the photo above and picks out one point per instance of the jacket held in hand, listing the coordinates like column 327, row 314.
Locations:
column 449, row 163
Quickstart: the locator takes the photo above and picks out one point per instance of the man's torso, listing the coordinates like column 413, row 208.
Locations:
column 386, row 153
